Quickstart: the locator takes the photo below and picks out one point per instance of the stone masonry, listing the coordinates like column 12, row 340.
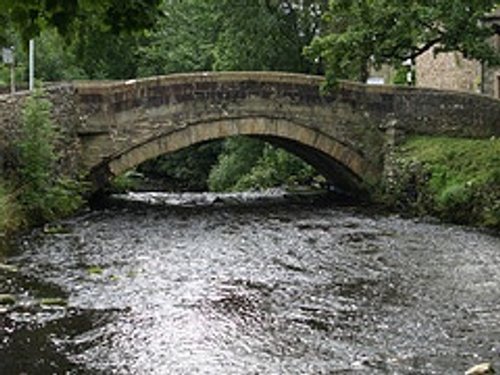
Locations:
column 345, row 134
column 64, row 116
column 448, row 71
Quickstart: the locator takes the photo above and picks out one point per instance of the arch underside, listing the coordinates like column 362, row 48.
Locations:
column 341, row 166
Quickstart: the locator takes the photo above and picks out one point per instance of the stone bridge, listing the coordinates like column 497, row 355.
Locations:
column 345, row 133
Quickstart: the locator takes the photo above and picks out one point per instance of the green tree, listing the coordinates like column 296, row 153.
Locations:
column 276, row 168
column 264, row 35
column 100, row 53
column 30, row 17
column 238, row 158
column 199, row 35
column 365, row 33
column 249, row 163
column 187, row 169
column 54, row 58
column 44, row 194
column 182, row 41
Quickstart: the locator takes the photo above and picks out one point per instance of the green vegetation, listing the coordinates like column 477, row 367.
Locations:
column 7, row 299
column 358, row 35
column 125, row 182
column 250, row 164
column 455, row 179
column 187, row 169
column 37, row 192
column 236, row 161
column 10, row 217
column 44, row 195
column 235, row 164
column 30, row 17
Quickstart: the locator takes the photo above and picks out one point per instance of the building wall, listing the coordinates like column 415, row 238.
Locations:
column 491, row 75
column 448, row 71
column 452, row 71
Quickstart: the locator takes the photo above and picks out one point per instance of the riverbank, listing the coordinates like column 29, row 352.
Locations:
column 20, row 212
column 10, row 214
column 456, row 180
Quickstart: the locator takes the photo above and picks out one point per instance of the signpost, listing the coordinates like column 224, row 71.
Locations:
column 8, row 59
column 32, row 64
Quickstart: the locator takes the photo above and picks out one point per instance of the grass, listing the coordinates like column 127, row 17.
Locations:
column 463, row 176
column 455, row 161
column 10, row 213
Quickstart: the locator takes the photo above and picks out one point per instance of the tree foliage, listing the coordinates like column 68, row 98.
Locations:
column 182, row 41
column 199, row 35
column 276, row 168
column 238, row 158
column 29, row 17
column 44, row 194
column 187, row 169
column 364, row 33
column 265, row 35
column 248, row 164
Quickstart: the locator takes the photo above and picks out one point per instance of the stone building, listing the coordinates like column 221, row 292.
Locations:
column 454, row 72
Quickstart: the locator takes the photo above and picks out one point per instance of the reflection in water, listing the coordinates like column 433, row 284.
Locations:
column 199, row 284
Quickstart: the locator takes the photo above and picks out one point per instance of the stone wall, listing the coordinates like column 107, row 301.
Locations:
column 451, row 71
column 491, row 77
column 64, row 115
column 448, row 71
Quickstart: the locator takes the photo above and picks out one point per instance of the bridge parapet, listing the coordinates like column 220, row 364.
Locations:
column 128, row 115
column 345, row 133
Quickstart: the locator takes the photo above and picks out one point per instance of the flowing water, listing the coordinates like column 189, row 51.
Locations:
column 249, row 284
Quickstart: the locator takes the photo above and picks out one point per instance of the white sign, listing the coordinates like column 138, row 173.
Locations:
column 8, row 56
column 375, row 81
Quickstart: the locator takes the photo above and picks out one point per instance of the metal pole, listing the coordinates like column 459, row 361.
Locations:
column 12, row 78
column 31, row 64
column 13, row 72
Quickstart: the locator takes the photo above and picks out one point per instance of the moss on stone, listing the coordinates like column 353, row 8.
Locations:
column 53, row 301
column 7, row 299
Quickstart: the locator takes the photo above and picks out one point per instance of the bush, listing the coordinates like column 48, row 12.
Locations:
column 44, row 194
column 239, row 156
column 276, row 167
column 125, row 182
column 250, row 164
column 10, row 218
column 187, row 169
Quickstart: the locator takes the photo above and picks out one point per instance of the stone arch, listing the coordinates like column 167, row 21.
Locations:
column 342, row 166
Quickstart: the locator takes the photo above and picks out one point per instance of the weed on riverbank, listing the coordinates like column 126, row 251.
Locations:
column 457, row 180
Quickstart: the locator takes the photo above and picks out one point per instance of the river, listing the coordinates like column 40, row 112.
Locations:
column 249, row 284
